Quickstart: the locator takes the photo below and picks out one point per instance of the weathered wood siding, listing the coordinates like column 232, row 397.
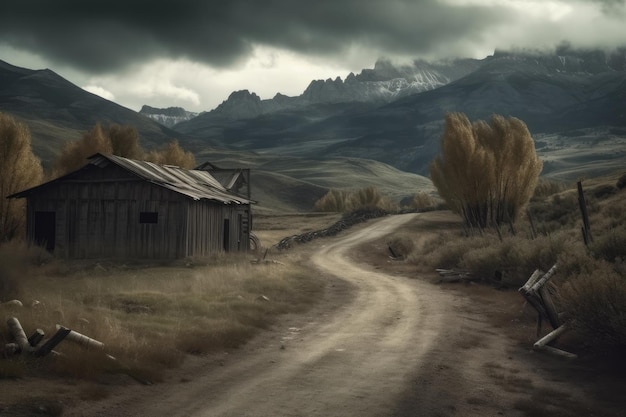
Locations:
column 208, row 224
column 98, row 214
column 103, row 220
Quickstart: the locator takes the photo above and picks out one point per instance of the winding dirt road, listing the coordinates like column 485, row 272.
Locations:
column 391, row 346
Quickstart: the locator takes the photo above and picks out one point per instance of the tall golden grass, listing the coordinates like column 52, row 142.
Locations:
column 149, row 317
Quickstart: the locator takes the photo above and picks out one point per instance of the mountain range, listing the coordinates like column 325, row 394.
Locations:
column 382, row 125
column 568, row 93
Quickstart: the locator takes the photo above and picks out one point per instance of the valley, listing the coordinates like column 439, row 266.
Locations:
column 380, row 127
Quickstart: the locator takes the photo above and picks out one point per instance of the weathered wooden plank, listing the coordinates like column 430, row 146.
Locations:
column 52, row 342
column 18, row 334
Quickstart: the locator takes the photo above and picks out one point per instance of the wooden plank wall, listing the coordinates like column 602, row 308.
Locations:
column 97, row 216
column 101, row 220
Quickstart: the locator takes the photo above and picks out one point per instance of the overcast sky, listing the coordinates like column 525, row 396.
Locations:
column 194, row 53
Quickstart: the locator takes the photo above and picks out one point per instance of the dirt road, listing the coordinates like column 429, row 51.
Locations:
column 377, row 345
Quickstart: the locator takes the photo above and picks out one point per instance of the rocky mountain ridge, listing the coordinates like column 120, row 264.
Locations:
column 387, row 81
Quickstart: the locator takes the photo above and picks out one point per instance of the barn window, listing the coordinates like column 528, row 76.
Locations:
column 148, row 217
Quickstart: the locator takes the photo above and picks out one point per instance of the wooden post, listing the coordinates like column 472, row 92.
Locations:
column 85, row 341
column 583, row 210
column 542, row 344
column 548, row 304
column 36, row 337
column 52, row 342
column 540, row 283
column 533, row 230
column 18, row 334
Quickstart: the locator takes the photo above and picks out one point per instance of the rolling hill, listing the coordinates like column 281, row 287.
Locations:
column 380, row 127
column 569, row 94
column 56, row 110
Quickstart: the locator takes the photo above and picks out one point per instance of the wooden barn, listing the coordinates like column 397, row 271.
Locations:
column 115, row 207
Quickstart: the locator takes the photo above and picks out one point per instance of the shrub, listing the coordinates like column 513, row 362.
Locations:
column 345, row 201
column 334, row 201
column 402, row 245
column 487, row 172
column 611, row 245
column 15, row 259
column 423, row 201
column 596, row 303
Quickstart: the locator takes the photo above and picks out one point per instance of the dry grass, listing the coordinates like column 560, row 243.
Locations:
column 591, row 280
column 149, row 317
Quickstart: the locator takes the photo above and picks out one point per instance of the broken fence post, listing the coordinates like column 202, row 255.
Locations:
column 52, row 342
column 85, row 341
column 539, row 297
column 36, row 337
column 542, row 344
column 18, row 334
column 541, row 281
column 583, row 210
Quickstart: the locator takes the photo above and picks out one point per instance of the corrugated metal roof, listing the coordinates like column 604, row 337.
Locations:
column 196, row 184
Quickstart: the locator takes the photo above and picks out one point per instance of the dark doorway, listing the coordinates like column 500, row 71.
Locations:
column 226, row 235
column 45, row 229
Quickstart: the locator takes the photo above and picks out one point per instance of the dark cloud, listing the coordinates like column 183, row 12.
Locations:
column 101, row 36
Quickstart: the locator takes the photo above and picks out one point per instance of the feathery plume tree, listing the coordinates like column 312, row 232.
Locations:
column 19, row 169
column 486, row 172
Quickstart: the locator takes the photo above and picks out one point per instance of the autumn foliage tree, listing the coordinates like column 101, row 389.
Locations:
column 19, row 169
column 120, row 140
column 172, row 154
column 75, row 154
column 486, row 171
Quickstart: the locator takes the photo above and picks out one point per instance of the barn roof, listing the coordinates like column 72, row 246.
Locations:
column 196, row 184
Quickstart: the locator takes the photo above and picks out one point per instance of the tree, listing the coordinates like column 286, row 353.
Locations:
column 172, row 154
column 486, row 171
column 19, row 169
column 75, row 154
column 124, row 141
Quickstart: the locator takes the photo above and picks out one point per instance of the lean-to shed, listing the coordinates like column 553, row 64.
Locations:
column 115, row 207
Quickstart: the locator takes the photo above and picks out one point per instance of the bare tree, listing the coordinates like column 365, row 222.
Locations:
column 19, row 169
column 486, row 171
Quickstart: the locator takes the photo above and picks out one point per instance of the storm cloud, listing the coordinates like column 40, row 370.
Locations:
column 195, row 52
column 103, row 36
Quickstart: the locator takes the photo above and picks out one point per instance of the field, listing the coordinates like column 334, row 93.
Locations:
column 155, row 317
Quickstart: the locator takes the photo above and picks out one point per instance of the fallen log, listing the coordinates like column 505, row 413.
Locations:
column 36, row 337
column 51, row 343
column 18, row 334
column 542, row 281
column 82, row 340
column 542, row 344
